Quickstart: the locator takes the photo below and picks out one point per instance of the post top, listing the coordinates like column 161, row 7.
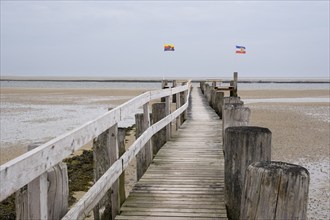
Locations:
column 248, row 129
column 276, row 166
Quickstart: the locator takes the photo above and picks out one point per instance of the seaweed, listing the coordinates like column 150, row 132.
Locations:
column 80, row 173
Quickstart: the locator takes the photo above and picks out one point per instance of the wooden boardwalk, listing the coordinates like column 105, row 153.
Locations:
column 186, row 178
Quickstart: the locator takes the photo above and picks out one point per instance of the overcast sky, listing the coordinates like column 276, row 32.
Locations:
column 126, row 38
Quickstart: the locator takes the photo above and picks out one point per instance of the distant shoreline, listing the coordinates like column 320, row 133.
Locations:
column 152, row 79
column 159, row 80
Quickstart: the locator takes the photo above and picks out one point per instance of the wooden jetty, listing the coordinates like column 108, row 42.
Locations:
column 186, row 178
column 197, row 172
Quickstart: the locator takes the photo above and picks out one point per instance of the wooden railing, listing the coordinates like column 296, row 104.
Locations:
column 33, row 165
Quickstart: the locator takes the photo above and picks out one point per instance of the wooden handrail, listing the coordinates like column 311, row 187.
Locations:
column 25, row 168
column 100, row 188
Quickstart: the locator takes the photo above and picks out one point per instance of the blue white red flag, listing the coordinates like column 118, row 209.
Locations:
column 240, row 49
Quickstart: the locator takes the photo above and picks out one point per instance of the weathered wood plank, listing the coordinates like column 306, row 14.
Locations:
column 99, row 189
column 186, row 178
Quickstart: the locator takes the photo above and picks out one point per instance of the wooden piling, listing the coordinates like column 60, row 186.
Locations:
column 159, row 139
column 208, row 93
column 218, row 102
column 45, row 197
column 121, row 151
column 144, row 157
column 183, row 100
column 275, row 190
column 212, row 99
column 234, row 115
column 202, row 86
column 174, row 84
column 243, row 146
column 105, row 153
column 233, row 93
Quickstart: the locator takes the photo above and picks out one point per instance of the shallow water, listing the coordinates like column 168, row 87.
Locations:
column 27, row 123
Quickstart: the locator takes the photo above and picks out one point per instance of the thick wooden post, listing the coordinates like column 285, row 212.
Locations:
column 235, row 115
column 243, row 146
column 121, row 151
column 275, row 190
column 218, row 100
column 105, row 153
column 183, row 101
column 229, row 100
column 202, row 86
column 164, row 83
column 212, row 99
column 46, row 196
column 208, row 93
column 233, row 93
column 144, row 157
column 159, row 139
column 214, row 84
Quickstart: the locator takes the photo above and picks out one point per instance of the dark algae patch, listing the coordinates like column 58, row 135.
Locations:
column 7, row 208
column 80, row 172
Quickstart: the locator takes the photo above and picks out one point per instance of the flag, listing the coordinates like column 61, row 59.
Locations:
column 168, row 47
column 240, row 49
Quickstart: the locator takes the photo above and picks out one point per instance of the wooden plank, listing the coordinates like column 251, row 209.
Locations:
column 174, row 214
column 174, row 209
column 164, row 218
column 186, row 178
column 99, row 189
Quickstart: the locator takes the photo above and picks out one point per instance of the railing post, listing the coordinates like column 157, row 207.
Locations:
column 243, row 146
column 178, row 105
column 144, row 157
column 275, row 190
column 105, row 154
column 121, row 151
column 158, row 139
column 167, row 112
column 174, row 84
column 183, row 101
column 46, row 197
column 164, row 86
column 38, row 197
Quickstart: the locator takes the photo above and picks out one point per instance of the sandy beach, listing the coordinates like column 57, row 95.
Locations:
column 300, row 130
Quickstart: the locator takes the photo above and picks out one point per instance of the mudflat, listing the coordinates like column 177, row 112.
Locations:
column 300, row 130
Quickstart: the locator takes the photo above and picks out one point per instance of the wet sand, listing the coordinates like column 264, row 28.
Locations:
column 300, row 131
